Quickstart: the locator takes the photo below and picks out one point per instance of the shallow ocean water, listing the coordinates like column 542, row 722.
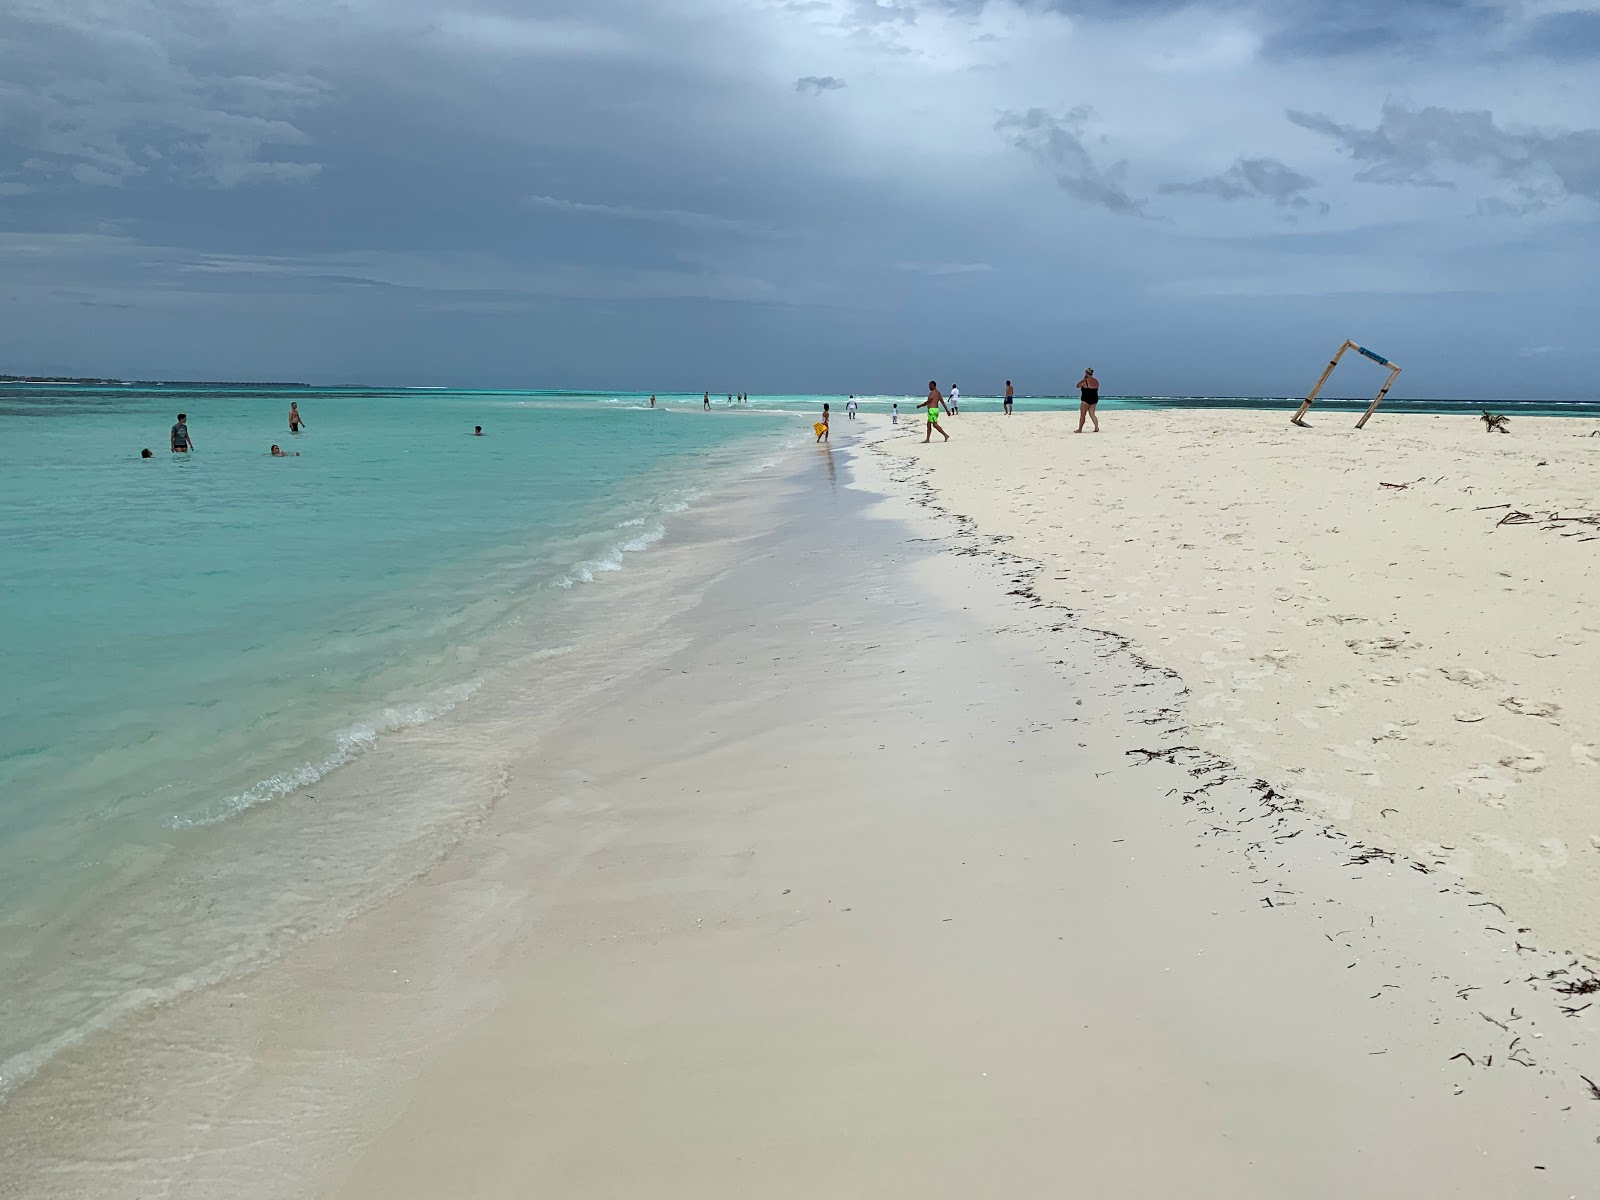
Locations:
column 186, row 639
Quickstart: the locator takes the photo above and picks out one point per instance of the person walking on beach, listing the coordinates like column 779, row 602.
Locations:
column 894, row 417
column 850, row 408
column 933, row 404
column 822, row 426
column 1008, row 398
column 955, row 401
column 182, row 443
column 1088, row 398
column 295, row 423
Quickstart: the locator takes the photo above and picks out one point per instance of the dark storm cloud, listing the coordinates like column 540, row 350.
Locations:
column 1311, row 29
column 1252, row 178
column 1057, row 144
column 104, row 104
column 1412, row 146
column 503, row 191
column 1566, row 36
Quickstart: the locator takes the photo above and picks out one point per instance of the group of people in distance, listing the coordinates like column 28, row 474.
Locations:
column 182, row 441
column 1088, row 400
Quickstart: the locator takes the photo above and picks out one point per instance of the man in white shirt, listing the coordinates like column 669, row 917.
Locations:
column 850, row 408
column 955, row 400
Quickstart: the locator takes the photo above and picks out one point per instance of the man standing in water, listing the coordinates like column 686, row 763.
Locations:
column 706, row 402
column 295, row 423
column 182, row 443
column 1008, row 398
column 933, row 404
column 1089, row 397
column 652, row 401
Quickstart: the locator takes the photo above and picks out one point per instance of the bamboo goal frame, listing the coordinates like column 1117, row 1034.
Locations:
column 1394, row 372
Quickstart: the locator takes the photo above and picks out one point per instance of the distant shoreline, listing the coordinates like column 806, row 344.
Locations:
column 85, row 381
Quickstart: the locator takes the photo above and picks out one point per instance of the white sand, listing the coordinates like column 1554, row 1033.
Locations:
column 842, row 882
column 1388, row 656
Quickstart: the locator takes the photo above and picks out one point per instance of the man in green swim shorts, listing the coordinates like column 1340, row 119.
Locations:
column 933, row 404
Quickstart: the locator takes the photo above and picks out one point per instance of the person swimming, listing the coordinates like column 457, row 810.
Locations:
column 295, row 422
column 278, row 452
column 477, row 431
column 145, row 453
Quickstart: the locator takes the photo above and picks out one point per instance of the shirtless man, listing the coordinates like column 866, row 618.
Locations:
column 1089, row 398
column 278, row 452
column 933, row 404
column 1008, row 397
column 295, row 422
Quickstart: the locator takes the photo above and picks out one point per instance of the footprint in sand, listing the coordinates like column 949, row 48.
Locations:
column 1467, row 676
column 1383, row 645
column 1585, row 754
column 1530, row 763
column 1469, row 716
column 1336, row 618
column 1530, row 708
column 1487, row 782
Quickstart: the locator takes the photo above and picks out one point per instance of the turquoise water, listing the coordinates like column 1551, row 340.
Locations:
column 186, row 639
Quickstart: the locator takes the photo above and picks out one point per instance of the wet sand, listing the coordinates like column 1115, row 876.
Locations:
column 863, row 872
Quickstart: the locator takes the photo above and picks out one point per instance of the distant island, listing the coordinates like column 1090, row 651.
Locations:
column 87, row 382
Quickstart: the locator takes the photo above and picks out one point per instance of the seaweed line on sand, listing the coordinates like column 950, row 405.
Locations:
column 1228, row 803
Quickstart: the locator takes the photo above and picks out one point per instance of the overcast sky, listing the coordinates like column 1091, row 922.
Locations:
column 777, row 195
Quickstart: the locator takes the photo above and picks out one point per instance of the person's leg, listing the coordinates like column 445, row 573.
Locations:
column 1083, row 411
column 942, row 433
column 1094, row 415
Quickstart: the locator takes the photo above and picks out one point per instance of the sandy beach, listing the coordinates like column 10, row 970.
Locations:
column 1387, row 624
column 858, row 869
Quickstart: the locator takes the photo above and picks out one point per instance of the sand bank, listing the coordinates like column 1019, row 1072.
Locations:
column 847, row 878
column 1395, row 657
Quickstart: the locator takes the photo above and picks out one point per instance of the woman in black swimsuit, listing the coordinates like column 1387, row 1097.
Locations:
column 1089, row 397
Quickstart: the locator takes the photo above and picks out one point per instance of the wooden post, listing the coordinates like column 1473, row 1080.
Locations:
column 1388, row 383
column 1299, row 417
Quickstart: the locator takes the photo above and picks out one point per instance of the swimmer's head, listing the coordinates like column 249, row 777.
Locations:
column 478, row 429
column 275, row 449
column 145, row 453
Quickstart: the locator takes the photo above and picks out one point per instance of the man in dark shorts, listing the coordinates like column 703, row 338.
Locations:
column 1088, row 399
column 1008, row 398
column 182, row 443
